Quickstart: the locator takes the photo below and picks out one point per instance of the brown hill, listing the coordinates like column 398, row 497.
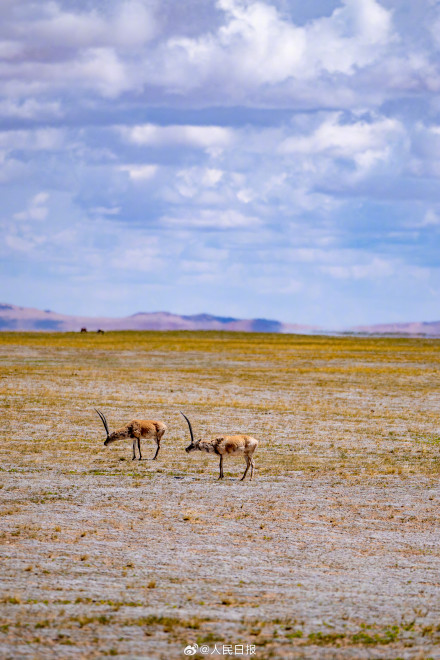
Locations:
column 13, row 317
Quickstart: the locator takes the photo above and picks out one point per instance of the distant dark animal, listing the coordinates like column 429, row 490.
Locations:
column 100, row 332
column 135, row 430
column 83, row 329
column 226, row 445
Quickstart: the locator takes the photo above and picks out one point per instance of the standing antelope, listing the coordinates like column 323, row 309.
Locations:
column 231, row 445
column 137, row 429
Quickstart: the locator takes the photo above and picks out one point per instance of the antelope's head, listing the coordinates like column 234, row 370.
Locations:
column 194, row 443
column 109, row 437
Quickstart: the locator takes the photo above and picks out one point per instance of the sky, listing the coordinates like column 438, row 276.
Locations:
column 258, row 159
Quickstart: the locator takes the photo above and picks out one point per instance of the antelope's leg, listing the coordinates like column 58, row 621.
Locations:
column 158, row 439
column 139, row 448
column 248, row 462
column 252, row 468
column 221, row 467
column 134, row 449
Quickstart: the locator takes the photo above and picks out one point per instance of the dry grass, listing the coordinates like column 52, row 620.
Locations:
column 332, row 551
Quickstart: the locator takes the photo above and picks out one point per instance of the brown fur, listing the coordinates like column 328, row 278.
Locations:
column 232, row 445
column 136, row 430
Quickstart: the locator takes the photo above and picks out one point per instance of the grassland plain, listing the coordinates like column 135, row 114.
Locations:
column 333, row 551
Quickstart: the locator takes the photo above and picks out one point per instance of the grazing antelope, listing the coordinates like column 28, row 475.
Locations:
column 137, row 429
column 231, row 445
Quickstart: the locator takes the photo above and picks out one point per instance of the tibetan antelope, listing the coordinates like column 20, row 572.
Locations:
column 226, row 445
column 137, row 429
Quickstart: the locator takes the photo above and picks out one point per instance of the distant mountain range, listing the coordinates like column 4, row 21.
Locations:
column 13, row 317
column 27, row 318
column 429, row 329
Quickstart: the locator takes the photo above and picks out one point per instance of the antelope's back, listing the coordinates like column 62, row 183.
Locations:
column 149, row 427
column 235, row 444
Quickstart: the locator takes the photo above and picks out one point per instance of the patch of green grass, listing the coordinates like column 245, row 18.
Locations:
column 325, row 638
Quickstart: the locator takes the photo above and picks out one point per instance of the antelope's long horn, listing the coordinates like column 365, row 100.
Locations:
column 190, row 427
column 104, row 421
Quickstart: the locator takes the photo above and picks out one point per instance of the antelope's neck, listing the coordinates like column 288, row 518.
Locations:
column 208, row 447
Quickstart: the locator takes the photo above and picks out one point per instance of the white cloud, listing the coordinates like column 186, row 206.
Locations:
column 284, row 170
column 202, row 137
column 13, row 164
column 430, row 219
column 257, row 46
column 43, row 139
column 351, row 38
column 376, row 268
column 30, row 108
column 18, row 243
column 286, row 195
column 425, row 151
column 131, row 24
column 366, row 143
column 139, row 172
column 36, row 210
column 210, row 219
column 255, row 53
column 343, row 139
column 48, row 47
column 101, row 69
column 11, row 168
column 193, row 181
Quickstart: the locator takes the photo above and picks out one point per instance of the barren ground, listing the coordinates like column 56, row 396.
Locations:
column 331, row 552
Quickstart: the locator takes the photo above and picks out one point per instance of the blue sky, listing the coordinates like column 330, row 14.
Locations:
column 275, row 158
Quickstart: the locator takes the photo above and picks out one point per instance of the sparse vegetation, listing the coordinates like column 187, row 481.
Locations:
column 332, row 548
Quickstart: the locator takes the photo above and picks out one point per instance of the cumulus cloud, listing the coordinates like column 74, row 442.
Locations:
column 119, row 48
column 139, row 172
column 353, row 37
column 127, row 24
column 258, row 46
column 54, row 48
column 254, row 53
column 198, row 137
column 367, row 144
column 346, row 140
column 281, row 152
column 255, row 46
